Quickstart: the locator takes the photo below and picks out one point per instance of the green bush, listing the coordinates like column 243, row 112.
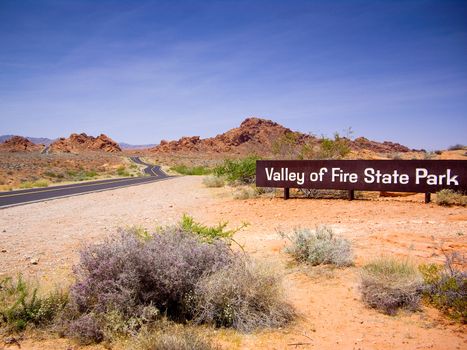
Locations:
column 388, row 284
column 321, row 246
column 448, row 197
column 238, row 171
column 21, row 305
column 208, row 233
column 446, row 286
column 213, row 181
column 121, row 171
column 186, row 170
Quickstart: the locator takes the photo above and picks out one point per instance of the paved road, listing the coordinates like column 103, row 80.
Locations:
column 13, row 198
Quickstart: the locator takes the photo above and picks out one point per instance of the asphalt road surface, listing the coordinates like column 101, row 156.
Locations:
column 13, row 198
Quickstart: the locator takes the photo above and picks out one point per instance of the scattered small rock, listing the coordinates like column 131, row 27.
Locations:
column 34, row 261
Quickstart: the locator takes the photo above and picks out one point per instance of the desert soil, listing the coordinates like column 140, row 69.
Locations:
column 42, row 241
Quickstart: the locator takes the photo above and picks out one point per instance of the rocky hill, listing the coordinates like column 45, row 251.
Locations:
column 19, row 144
column 256, row 135
column 77, row 143
column 253, row 135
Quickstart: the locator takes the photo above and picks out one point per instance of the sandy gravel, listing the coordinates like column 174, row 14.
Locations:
column 331, row 313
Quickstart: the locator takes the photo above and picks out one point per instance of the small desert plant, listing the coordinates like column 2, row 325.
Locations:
column 321, row 246
column 241, row 171
column 196, row 170
column 208, row 233
column 33, row 184
column 213, row 181
column 21, row 305
column 244, row 295
column 456, row 147
column 245, row 192
column 388, row 284
column 170, row 336
column 121, row 171
column 90, row 173
column 448, row 197
column 446, row 287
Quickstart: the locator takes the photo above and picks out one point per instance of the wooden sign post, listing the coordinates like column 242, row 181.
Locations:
column 423, row 176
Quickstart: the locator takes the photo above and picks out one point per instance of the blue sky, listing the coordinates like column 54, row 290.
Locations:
column 142, row 71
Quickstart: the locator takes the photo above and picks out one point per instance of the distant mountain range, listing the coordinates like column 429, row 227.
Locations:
column 36, row 140
column 47, row 142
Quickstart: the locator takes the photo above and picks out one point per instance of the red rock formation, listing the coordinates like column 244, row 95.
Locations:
column 20, row 144
column 77, row 143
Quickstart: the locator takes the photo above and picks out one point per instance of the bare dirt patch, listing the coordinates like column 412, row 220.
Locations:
column 42, row 241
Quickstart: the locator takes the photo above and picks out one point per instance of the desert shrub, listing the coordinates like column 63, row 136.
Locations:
column 21, row 305
column 33, row 184
column 388, row 284
column 335, row 148
column 121, row 171
column 456, row 147
column 86, row 329
column 321, row 246
column 446, row 286
column 448, row 197
column 241, row 171
column 244, row 295
column 208, row 233
column 245, row 192
column 213, row 181
column 90, row 173
column 54, row 175
column 170, row 336
column 320, row 193
column 196, row 170
column 287, row 146
column 125, row 273
column 125, row 278
column 291, row 146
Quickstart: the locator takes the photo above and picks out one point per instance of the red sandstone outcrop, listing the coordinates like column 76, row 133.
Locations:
column 77, row 143
column 256, row 135
column 20, row 144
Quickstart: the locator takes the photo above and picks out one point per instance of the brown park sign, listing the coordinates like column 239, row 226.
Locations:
column 426, row 176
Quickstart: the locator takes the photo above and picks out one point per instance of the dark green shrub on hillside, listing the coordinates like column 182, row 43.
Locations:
column 238, row 171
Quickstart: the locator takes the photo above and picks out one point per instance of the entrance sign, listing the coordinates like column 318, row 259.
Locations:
column 426, row 176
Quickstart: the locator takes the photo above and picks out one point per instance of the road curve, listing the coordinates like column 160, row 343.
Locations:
column 13, row 198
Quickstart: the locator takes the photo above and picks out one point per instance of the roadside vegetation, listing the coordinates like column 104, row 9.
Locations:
column 289, row 147
column 319, row 247
column 446, row 286
column 448, row 198
column 238, row 171
column 389, row 284
column 213, row 181
column 187, row 170
column 34, row 184
column 146, row 286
